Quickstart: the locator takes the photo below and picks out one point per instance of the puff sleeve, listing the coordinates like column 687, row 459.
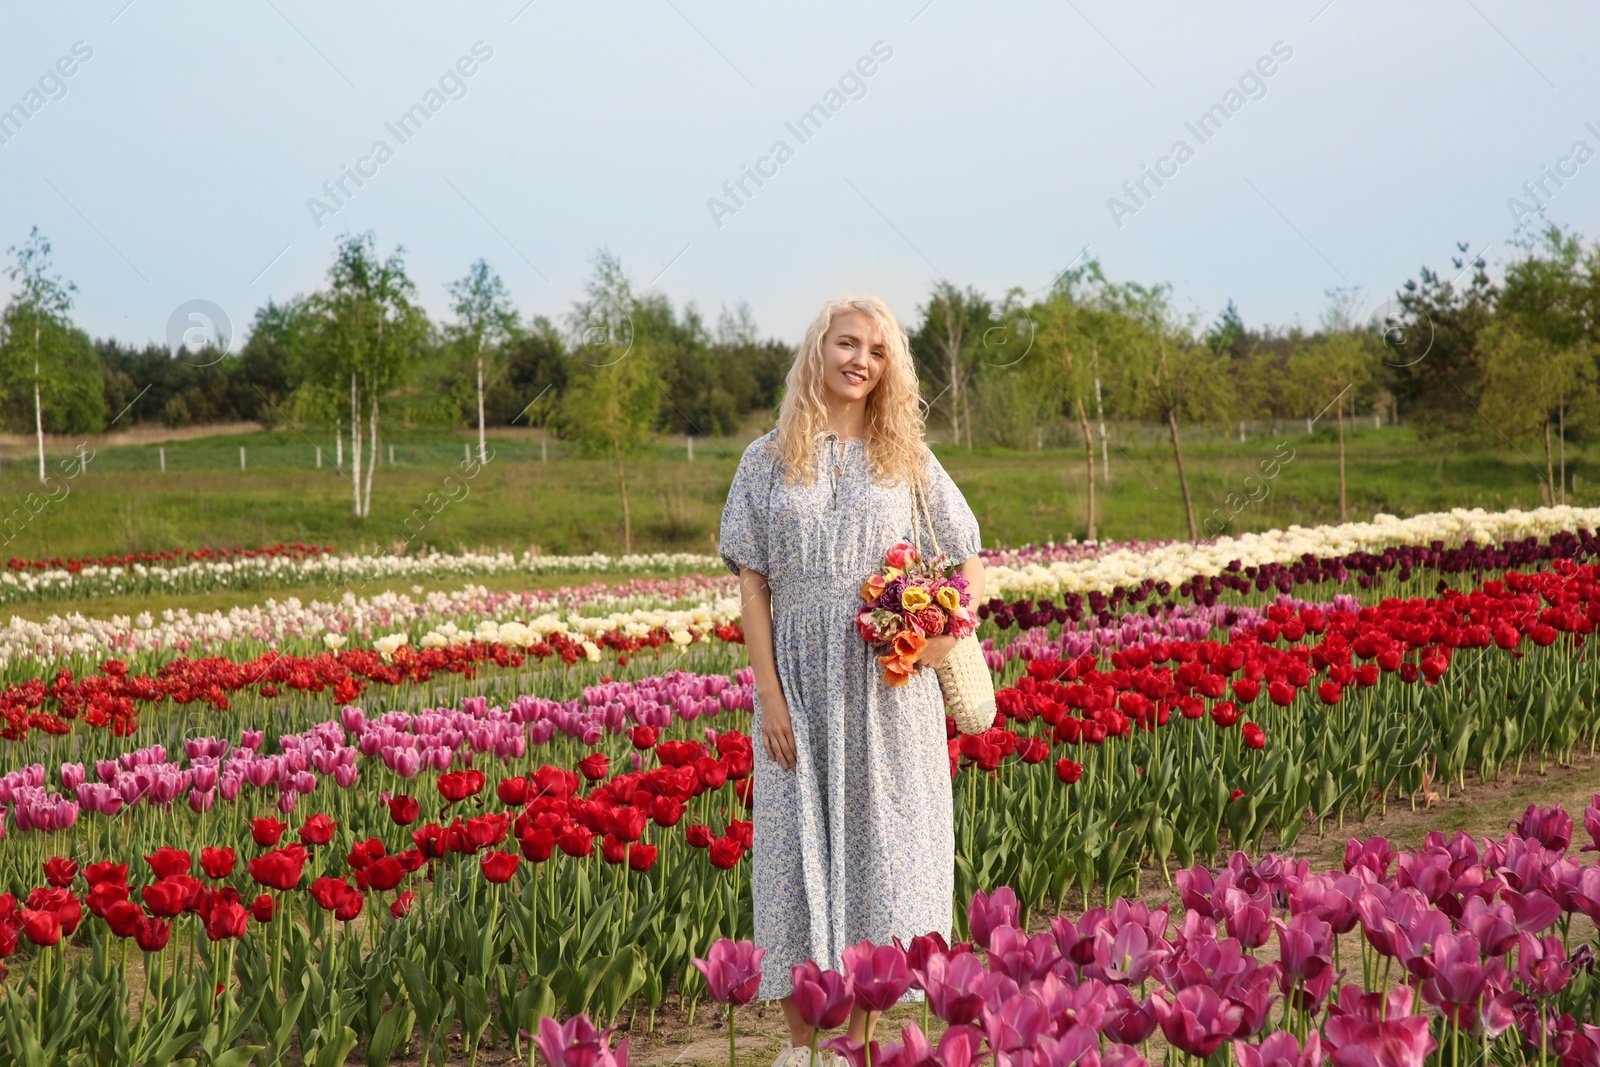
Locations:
column 742, row 537
column 954, row 525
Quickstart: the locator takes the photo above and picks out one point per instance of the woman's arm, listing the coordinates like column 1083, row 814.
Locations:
column 939, row 647
column 777, row 733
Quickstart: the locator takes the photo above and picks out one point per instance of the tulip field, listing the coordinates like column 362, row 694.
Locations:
column 435, row 828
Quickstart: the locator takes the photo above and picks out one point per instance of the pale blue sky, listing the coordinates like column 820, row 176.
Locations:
column 179, row 162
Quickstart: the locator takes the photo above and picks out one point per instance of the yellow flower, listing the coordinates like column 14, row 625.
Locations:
column 949, row 598
column 914, row 599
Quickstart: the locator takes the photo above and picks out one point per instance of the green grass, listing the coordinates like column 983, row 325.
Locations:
column 123, row 502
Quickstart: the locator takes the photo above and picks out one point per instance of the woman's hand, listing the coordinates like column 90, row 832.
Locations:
column 937, row 648
column 777, row 732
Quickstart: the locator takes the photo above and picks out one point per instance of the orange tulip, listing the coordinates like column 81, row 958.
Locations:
column 873, row 588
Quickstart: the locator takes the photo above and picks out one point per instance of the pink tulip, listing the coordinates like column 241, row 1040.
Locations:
column 823, row 999
column 732, row 970
column 345, row 775
column 576, row 1043
column 878, row 975
column 72, row 776
column 987, row 911
column 1196, row 1020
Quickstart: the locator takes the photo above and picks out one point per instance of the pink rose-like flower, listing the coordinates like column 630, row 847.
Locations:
column 901, row 555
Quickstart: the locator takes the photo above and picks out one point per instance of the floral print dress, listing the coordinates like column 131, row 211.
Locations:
column 858, row 841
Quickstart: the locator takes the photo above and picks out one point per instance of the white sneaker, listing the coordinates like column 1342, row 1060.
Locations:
column 796, row 1056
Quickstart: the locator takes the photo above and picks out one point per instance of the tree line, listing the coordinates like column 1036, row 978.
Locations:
column 1459, row 355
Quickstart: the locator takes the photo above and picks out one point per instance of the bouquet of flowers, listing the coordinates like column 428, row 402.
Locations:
column 911, row 600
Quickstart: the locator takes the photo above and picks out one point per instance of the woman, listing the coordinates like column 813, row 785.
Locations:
column 854, row 835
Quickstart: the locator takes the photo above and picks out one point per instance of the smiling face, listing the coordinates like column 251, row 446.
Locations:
column 853, row 357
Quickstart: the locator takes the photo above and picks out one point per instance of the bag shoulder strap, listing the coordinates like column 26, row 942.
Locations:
column 919, row 501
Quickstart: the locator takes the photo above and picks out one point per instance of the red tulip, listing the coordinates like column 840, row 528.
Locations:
column 384, row 874
column 498, row 867
column 537, row 844
column 1035, row 750
column 226, row 921
column 124, row 917
column 430, row 840
column 263, row 908
column 41, row 927
column 1224, row 713
column 742, row 831
column 726, row 853
column 697, row 835
column 60, row 872
column 643, row 737
column 1280, row 693
column 318, row 830
column 641, row 857
column 1245, row 690
column 152, row 934
column 594, row 766
column 217, row 862
column 279, row 869
column 169, row 861
column 1068, row 771
column 267, row 831
column 350, row 907
column 627, row 823
column 1253, row 735
column 402, row 904
column 513, row 791
column 105, row 894
column 166, row 898
column 106, row 871
column 1330, row 692
column 330, row 892
column 613, row 849
column 576, row 841
column 666, row 811
column 455, row 786
column 403, row 810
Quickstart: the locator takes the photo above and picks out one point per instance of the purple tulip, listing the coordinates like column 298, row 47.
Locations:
column 732, row 970
column 288, row 801
column 1375, row 854
column 1352, row 1038
column 823, row 999
column 1305, row 946
column 72, row 776
column 1025, row 959
column 1196, row 1020
column 878, row 975
column 1280, row 1049
column 1551, row 827
column 576, row 1043
column 1247, row 917
column 851, row 1051
column 954, row 985
column 203, row 775
column 1128, row 1020
column 1128, row 955
column 988, row 911
column 1017, row 1025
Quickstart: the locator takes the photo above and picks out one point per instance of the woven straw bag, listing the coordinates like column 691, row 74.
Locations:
column 964, row 677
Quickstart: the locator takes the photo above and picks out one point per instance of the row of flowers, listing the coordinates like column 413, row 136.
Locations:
column 112, row 699
column 693, row 603
column 280, row 571
column 1453, row 944
column 76, row 564
column 1176, row 564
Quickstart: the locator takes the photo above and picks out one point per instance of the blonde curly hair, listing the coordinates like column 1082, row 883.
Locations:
column 895, row 427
